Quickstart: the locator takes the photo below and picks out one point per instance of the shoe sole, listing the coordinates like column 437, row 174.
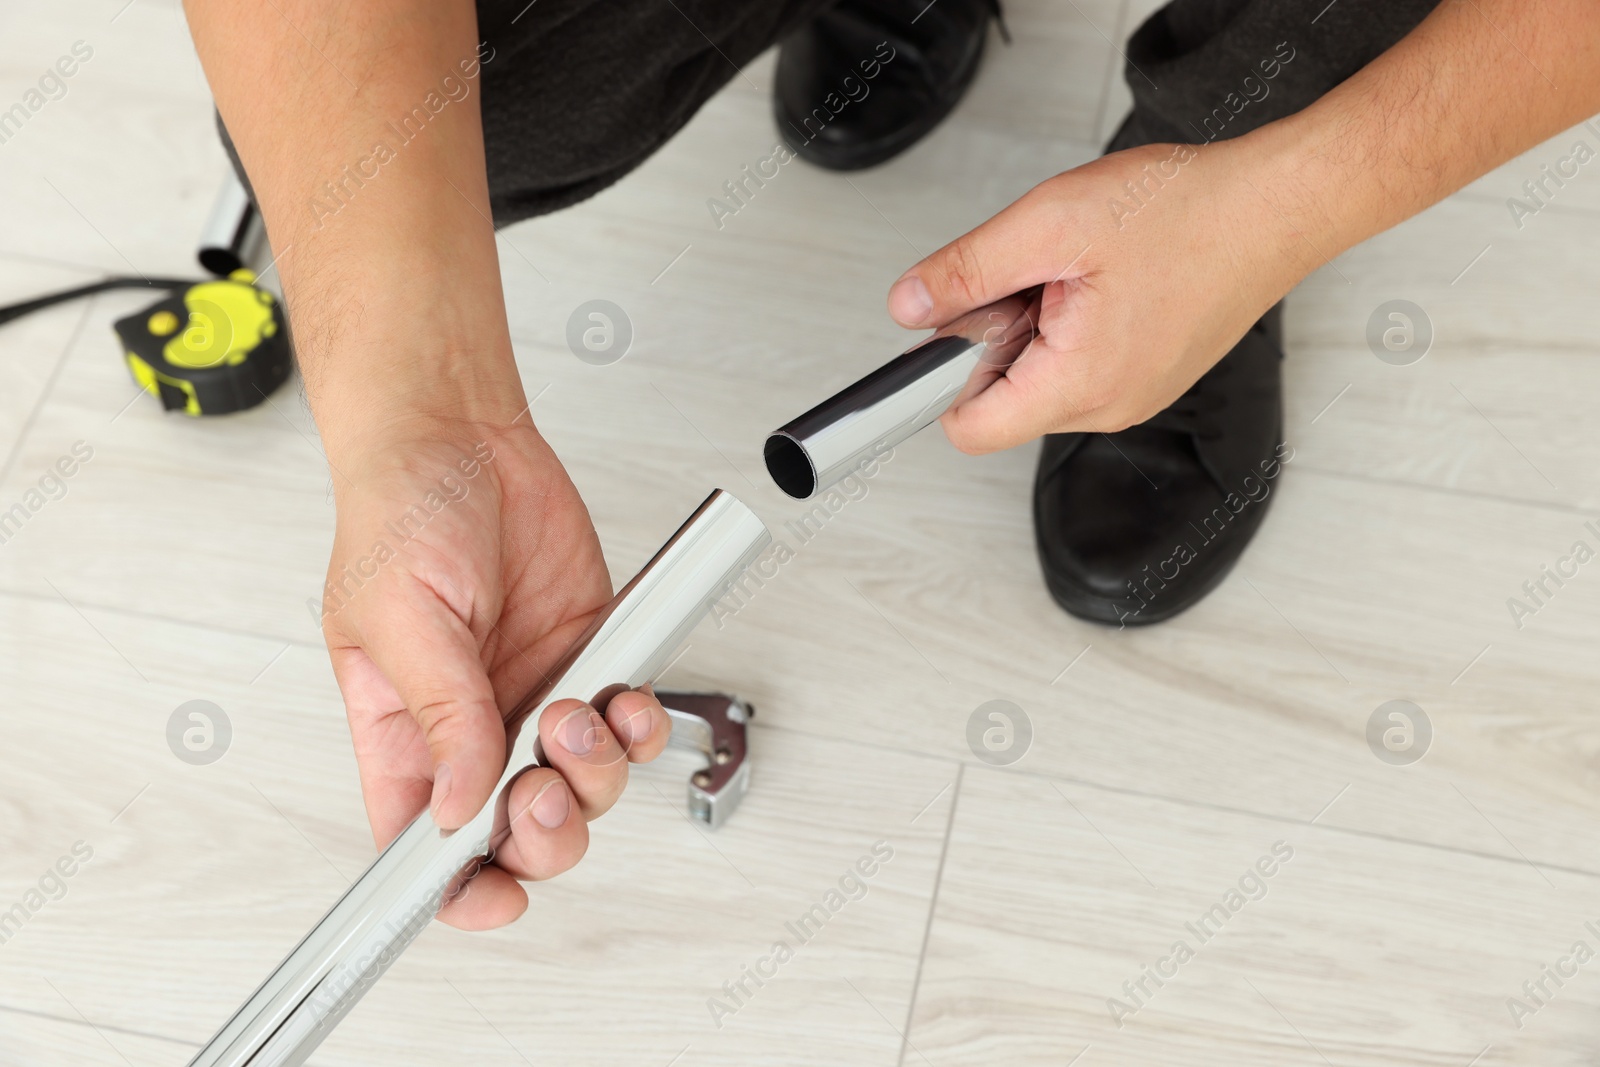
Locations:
column 1091, row 608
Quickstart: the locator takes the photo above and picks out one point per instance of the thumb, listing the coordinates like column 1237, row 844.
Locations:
column 1010, row 252
column 431, row 658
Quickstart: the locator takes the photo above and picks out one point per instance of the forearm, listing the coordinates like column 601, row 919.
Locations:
column 1478, row 82
column 358, row 124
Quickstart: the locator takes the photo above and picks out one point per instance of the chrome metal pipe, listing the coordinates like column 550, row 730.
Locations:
column 858, row 423
column 234, row 235
column 633, row 639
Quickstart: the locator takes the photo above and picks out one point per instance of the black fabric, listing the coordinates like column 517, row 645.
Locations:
column 1198, row 69
column 580, row 93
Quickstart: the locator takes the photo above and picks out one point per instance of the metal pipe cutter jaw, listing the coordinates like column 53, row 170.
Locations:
column 714, row 725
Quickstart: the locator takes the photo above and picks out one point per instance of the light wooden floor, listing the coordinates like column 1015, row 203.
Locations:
column 1164, row 762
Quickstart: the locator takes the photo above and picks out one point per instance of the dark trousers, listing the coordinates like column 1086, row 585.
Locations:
column 1207, row 70
column 579, row 92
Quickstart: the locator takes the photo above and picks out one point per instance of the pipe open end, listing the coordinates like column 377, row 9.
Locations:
column 219, row 261
column 790, row 467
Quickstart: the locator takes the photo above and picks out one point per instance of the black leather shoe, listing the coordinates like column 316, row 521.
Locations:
column 867, row 79
column 1134, row 527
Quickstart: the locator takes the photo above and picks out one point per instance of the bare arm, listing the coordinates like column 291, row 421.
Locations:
column 463, row 562
column 1477, row 83
column 387, row 257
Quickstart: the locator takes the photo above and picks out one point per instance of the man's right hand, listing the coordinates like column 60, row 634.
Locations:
column 464, row 565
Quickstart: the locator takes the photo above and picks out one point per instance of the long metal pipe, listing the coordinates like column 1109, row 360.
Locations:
column 856, row 424
column 632, row 640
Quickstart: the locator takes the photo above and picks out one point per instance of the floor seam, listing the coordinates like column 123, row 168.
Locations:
column 97, row 1026
column 148, row 616
column 1472, row 197
column 44, row 393
column 933, row 904
column 1444, row 490
column 1189, row 802
column 1547, row 506
column 1229, row 809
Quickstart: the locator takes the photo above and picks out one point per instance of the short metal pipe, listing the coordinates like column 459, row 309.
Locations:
column 858, row 423
column 234, row 235
column 632, row 640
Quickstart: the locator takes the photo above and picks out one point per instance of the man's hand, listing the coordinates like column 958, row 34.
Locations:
column 1156, row 260
column 464, row 563
column 1142, row 294
column 463, row 567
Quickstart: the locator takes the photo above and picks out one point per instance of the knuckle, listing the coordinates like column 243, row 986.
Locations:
column 440, row 717
column 962, row 270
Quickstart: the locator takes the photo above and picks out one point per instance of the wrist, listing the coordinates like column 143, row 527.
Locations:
column 383, row 391
column 1308, row 200
column 404, row 353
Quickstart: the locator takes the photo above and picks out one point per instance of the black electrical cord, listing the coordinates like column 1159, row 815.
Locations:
column 28, row 307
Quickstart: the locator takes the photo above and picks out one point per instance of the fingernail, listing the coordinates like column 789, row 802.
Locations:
column 576, row 731
column 441, row 789
column 636, row 727
column 552, row 806
column 909, row 301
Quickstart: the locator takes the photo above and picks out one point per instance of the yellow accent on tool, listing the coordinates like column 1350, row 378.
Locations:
column 229, row 354
column 152, row 380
